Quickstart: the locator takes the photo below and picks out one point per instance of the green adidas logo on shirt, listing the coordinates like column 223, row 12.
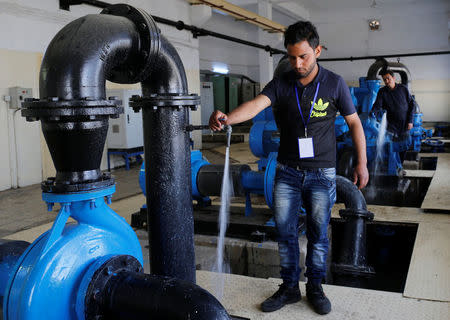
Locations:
column 319, row 109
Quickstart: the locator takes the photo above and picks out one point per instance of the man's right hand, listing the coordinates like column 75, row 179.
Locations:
column 214, row 123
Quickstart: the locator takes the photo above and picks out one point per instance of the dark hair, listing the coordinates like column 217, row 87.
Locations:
column 301, row 31
column 384, row 72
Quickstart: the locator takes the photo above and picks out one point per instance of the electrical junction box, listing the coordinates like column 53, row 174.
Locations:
column 18, row 95
column 125, row 132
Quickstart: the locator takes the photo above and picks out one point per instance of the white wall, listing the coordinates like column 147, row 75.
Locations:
column 27, row 26
column 239, row 58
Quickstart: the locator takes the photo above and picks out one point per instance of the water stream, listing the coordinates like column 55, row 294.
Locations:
column 380, row 144
column 225, row 196
column 371, row 190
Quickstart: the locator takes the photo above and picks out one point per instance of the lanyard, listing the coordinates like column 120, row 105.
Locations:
column 312, row 106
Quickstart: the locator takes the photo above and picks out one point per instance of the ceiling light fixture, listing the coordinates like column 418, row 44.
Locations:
column 374, row 24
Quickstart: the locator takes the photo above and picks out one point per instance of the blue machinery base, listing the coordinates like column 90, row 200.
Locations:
column 54, row 271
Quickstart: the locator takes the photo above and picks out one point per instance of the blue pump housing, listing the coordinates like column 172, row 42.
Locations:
column 47, row 277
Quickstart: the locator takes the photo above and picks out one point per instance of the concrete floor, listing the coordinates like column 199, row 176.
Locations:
column 23, row 216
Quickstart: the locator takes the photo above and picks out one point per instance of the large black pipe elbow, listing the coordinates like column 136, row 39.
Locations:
column 145, row 296
column 118, row 290
column 349, row 194
column 168, row 75
column 120, row 45
column 396, row 67
column 92, row 56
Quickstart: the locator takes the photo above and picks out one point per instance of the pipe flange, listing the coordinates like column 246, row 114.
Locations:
column 356, row 213
column 50, row 185
column 149, row 35
column 35, row 109
column 166, row 100
column 96, row 295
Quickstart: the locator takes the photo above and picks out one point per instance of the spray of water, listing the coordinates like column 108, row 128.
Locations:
column 226, row 194
column 371, row 191
column 380, row 144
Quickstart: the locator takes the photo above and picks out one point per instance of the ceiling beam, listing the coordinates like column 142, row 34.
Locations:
column 242, row 14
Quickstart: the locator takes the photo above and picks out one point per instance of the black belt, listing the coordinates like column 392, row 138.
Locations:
column 295, row 166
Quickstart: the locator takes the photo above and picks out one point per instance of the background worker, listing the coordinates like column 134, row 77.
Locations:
column 399, row 105
column 308, row 97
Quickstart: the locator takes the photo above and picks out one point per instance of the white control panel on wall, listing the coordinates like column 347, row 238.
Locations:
column 18, row 95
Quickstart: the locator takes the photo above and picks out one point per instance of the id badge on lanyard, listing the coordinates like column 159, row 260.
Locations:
column 306, row 145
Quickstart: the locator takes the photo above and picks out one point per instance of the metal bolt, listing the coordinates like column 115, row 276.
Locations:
column 155, row 108
column 113, row 98
column 92, row 204
column 97, row 294
column 28, row 99
column 107, row 271
column 89, row 98
column 31, row 119
column 54, row 99
column 143, row 26
column 50, row 206
column 108, row 199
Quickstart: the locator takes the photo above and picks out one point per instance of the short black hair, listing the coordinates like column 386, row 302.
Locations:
column 385, row 71
column 301, row 31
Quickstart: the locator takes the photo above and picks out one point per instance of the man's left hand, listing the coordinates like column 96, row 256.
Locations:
column 410, row 126
column 361, row 175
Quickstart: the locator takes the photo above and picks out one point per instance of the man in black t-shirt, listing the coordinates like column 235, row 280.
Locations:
column 399, row 105
column 308, row 98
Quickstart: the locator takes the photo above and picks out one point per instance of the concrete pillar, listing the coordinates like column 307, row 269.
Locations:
column 264, row 58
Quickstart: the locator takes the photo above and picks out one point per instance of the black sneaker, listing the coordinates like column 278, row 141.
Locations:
column 317, row 298
column 284, row 295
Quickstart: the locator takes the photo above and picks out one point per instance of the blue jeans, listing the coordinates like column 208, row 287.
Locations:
column 315, row 190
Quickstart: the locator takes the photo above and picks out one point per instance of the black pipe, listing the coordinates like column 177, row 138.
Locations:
column 396, row 67
column 135, row 295
column 349, row 194
column 73, row 108
column 165, row 115
column 118, row 290
column 351, row 267
column 10, row 252
column 168, row 75
column 92, row 56
column 209, row 179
